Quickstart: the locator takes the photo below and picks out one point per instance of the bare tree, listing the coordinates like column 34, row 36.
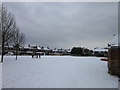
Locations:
column 18, row 40
column 8, row 26
column 0, row 30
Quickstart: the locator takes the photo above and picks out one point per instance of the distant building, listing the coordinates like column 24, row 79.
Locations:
column 30, row 49
column 61, row 51
column 101, row 52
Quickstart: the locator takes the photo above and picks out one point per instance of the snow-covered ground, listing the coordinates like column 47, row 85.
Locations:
column 56, row 72
column 0, row 76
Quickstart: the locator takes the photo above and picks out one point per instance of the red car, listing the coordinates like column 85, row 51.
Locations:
column 104, row 59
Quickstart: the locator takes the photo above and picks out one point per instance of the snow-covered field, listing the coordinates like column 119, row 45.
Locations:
column 56, row 72
column 0, row 76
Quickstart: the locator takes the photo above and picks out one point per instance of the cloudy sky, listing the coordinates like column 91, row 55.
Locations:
column 66, row 24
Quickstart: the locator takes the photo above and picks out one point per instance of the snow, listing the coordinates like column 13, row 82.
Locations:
column 101, row 50
column 0, row 76
column 114, row 41
column 46, row 48
column 57, row 72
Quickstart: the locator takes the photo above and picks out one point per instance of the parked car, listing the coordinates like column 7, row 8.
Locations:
column 104, row 59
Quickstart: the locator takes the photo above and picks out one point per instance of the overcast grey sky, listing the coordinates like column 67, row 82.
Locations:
column 66, row 24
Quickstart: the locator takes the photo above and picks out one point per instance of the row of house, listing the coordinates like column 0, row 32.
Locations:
column 101, row 52
column 30, row 49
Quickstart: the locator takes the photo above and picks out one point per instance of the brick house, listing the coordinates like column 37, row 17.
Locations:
column 114, row 56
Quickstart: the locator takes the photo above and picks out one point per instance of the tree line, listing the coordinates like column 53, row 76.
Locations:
column 10, row 33
column 79, row 51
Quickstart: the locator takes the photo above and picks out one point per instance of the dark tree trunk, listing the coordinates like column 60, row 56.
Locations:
column 16, row 53
column 2, row 50
column 2, row 55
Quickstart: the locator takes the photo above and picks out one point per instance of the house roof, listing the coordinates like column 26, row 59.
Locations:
column 46, row 49
column 114, row 41
column 101, row 50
